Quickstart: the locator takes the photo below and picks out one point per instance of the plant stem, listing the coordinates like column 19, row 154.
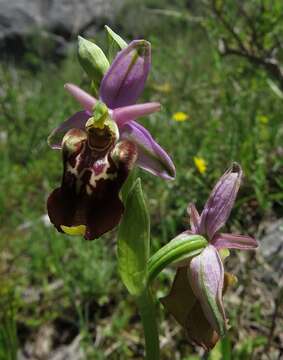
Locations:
column 149, row 321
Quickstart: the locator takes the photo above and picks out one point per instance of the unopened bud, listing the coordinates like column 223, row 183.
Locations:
column 92, row 59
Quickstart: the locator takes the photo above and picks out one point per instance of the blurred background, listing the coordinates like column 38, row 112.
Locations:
column 218, row 72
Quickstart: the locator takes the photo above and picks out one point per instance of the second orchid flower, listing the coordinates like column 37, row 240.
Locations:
column 196, row 296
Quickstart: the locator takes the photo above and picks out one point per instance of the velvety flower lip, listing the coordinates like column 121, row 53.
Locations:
column 87, row 202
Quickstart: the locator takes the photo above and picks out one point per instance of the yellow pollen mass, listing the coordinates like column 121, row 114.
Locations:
column 180, row 116
column 200, row 164
column 74, row 230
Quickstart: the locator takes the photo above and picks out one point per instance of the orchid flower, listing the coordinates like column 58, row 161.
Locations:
column 96, row 165
column 120, row 88
column 100, row 146
column 196, row 296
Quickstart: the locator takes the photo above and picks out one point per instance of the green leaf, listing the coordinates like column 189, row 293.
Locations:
column 216, row 354
column 226, row 348
column 115, row 43
column 128, row 184
column 92, row 59
column 182, row 247
column 133, row 241
column 275, row 88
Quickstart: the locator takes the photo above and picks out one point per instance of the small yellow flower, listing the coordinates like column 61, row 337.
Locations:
column 164, row 88
column 263, row 119
column 200, row 164
column 180, row 116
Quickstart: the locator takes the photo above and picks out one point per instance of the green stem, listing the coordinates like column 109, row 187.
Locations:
column 149, row 321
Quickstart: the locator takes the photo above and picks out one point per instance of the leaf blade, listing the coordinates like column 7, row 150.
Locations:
column 133, row 241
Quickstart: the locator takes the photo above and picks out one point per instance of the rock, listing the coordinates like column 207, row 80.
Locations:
column 40, row 349
column 271, row 246
column 87, row 13
column 73, row 351
column 61, row 19
column 44, row 219
column 3, row 138
column 18, row 16
column 272, row 242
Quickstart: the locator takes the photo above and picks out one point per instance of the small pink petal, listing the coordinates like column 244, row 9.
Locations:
column 124, row 114
column 86, row 100
column 234, row 241
column 151, row 156
column 194, row 217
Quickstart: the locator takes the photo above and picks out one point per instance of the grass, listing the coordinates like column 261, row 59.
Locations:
column 48, row 279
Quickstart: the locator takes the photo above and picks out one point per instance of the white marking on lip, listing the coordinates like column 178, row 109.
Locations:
column 93, row 178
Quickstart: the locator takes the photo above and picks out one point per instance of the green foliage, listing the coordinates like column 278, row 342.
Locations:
column 235, row 114
column 258, row 23
column 245, row 350
column 8, row 333
column 133, row 240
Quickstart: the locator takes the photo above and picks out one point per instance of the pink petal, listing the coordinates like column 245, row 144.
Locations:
column 206, row 276
column 151, row 156
column 86, row 100
column 124, row 114
column 76, row 121
column 126, row 77
column 234, row 241
column 194, row 217
column 220, row 202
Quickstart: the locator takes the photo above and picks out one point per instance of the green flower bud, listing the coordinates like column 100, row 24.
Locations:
column 92, row 59
column 115, row 43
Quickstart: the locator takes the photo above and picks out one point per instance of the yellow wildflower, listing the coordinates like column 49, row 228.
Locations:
column 164, row 88
column 180, row 116
column 200, row 164
column 263, row 119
